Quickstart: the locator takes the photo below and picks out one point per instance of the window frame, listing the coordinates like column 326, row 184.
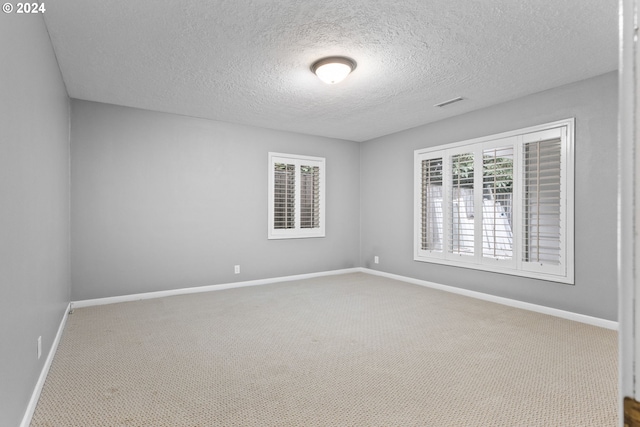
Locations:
column 297, row 232
column 564, row 272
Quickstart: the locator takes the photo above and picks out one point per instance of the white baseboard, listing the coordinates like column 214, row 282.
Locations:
column 595, row 321
column 603, row 323
column 33, row 402
column 198, row 289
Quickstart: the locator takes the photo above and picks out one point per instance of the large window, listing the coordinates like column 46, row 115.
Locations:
column 501, row 203
column 296, row 196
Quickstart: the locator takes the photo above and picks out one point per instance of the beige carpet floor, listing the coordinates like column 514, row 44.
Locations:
column 350, row 350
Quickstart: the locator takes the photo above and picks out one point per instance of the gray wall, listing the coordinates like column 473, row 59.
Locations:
column 161, row 201
column 34, row 212
column 387, row 196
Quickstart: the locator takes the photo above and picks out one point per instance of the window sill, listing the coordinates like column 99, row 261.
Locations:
column 560, row 277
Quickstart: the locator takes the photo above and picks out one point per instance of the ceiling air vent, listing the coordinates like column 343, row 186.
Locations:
column 451, row 101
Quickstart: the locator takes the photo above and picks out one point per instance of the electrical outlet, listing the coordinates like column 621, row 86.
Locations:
column 39, row 347
column 236, row 269
column 376, row 259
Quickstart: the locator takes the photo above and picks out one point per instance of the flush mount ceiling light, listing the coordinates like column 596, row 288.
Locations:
column 334, row 69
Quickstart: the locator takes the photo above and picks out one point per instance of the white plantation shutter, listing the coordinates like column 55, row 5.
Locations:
column 506, row 201
column 284, row 195
column 497, row 199
column 542, row 201
column 431, row 210
column 461, row 219
column 309, row 196
column 296, row 196
column 547, row 205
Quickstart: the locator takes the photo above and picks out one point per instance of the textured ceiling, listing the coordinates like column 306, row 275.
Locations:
column 247, row 61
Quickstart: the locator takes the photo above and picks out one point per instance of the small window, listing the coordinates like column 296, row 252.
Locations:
column 296, row 196
column 501, row 203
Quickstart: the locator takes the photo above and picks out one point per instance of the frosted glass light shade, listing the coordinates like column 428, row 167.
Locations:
column 333, row 70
